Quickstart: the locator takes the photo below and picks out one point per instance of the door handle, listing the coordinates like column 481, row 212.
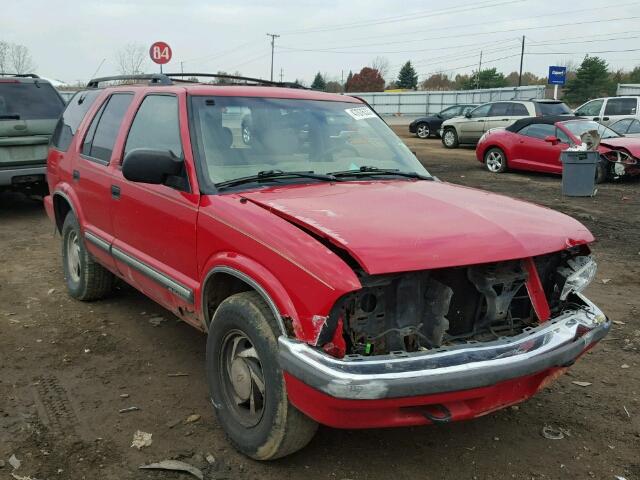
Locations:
column 75, row 175
column 479, row 120
column 115, row 192
column 605, row 118
column 505, row 119
column 596, row 118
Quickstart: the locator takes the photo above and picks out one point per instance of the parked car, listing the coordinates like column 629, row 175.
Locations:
column 424, row 127
column 609, row 109
column 328, row 275
column 535, row 144
column 629, row 127
column 29, row 109
column 469, row 128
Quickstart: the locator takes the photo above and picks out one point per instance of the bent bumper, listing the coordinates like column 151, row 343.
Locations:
column 554, row 344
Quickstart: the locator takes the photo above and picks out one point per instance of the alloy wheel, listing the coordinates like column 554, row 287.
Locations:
column 423, row 130
column 73, row 256
column 494, row 161
column 449, row 138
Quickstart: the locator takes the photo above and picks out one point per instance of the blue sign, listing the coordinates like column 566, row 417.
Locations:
column 557, row 75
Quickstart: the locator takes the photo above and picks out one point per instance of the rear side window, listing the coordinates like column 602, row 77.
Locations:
column 29, row 101
column 101, row 137
column 68, row 124
column 563, row 137
column 156, row 125
column 519, row 110
column 621, row 126
column 621, row 106
column 498, row 109
column 547, row 108
column 634, row 127
column 538, row 130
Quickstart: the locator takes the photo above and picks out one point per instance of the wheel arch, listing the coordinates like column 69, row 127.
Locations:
column 62, row 205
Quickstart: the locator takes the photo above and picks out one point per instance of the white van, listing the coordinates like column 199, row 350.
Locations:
column 609, row 109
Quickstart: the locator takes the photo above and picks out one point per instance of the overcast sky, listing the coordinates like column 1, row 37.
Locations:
column 69, row 39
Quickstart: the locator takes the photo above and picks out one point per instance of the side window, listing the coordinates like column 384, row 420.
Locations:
column 500, row 109
column 538, row 130
column 621, row 106
column 634, row 127
column 519, row 110
column 466, row 109
column 156, row 125
column 70, row 120
column 481, row 111
column 101, row 137
column 450, row 112
column 563, row 137
column 590, row 109
column 621, row 126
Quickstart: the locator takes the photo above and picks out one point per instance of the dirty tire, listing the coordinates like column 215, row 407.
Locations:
column 602, row 174
column 450, row 138
column 85, row 278
column 280, row 429
column 495, row 160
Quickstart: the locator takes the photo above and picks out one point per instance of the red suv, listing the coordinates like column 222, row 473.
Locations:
column 337, row 281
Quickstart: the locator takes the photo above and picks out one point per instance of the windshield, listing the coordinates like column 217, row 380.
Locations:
column 29, row 101
column 577, row 128
column 238, row 137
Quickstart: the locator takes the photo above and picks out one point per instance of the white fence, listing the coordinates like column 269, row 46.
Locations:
column 628, row 89
column 413, row 104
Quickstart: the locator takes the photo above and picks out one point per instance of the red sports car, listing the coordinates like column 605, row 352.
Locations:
column 536, row 143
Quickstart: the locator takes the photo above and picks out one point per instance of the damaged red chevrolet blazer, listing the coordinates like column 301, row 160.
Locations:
column 338, row 282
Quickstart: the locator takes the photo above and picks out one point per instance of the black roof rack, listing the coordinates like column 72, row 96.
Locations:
column 168, row 79
column 21, row 75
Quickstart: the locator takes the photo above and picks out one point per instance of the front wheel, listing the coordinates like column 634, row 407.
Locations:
column 495, row 160
column 246, row 382
column 450, row 138
column 423, row 130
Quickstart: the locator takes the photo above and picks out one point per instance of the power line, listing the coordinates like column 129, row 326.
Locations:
column 402, row 18
column 535, row 44
column 585, row 53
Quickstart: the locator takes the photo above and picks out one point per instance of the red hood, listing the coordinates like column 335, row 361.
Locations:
column 395, row 226
column 632, row 145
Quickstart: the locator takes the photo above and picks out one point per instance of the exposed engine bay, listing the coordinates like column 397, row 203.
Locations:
column 423, row 310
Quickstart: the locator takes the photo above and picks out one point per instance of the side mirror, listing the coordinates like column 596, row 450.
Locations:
column 552, row 139
column 151, row 166
column 468, row 114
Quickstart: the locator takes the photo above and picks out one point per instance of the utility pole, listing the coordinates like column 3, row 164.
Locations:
column 521, row 60
column 273, row 40
column 479, row 70
column 281, row 74
column 181, row 67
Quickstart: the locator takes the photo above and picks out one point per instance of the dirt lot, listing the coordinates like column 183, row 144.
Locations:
column 65, row 367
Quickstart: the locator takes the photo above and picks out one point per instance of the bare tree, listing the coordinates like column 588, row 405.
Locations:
column 4, row 56
column 381, row 64
column 20, row 59
column 131, row 58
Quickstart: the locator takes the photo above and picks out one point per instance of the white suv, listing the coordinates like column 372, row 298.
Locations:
column 609, row 109
column 471, row 127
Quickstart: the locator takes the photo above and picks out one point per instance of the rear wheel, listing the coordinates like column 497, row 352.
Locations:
column 603, row 171
column 495, row 160
column 423, row 130
column 450, row 138
column 246, row 382
column 86, row 279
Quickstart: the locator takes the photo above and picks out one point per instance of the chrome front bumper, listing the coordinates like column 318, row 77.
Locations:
column 555, row 343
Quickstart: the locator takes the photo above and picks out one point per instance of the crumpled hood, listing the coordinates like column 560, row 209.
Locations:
column 632, row 145
column 397, row 226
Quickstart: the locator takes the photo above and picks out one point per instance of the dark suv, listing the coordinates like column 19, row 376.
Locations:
column 29, row 109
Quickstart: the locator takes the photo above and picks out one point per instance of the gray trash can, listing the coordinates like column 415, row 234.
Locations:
column 579, row 173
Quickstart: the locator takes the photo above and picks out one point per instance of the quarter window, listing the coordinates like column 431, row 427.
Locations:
column 563, row 137
column 104, row 128
column 68, row 124
column 622, row 126
column 519, row 110
column 634, row 127
column 498, row 109
column 621, row 106
column 156, row 125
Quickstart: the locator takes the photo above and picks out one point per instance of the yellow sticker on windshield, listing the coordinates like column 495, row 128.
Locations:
column 360, row 113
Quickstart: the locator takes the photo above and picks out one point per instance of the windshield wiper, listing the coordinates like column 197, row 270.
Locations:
column 10, row 116
column 267, row 175
column 366, row 171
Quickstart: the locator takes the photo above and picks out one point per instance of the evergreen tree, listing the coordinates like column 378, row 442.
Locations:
column 592, row 80
column 349, row 78
column 319, row 82
column 407, row 78
column 489, row 78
